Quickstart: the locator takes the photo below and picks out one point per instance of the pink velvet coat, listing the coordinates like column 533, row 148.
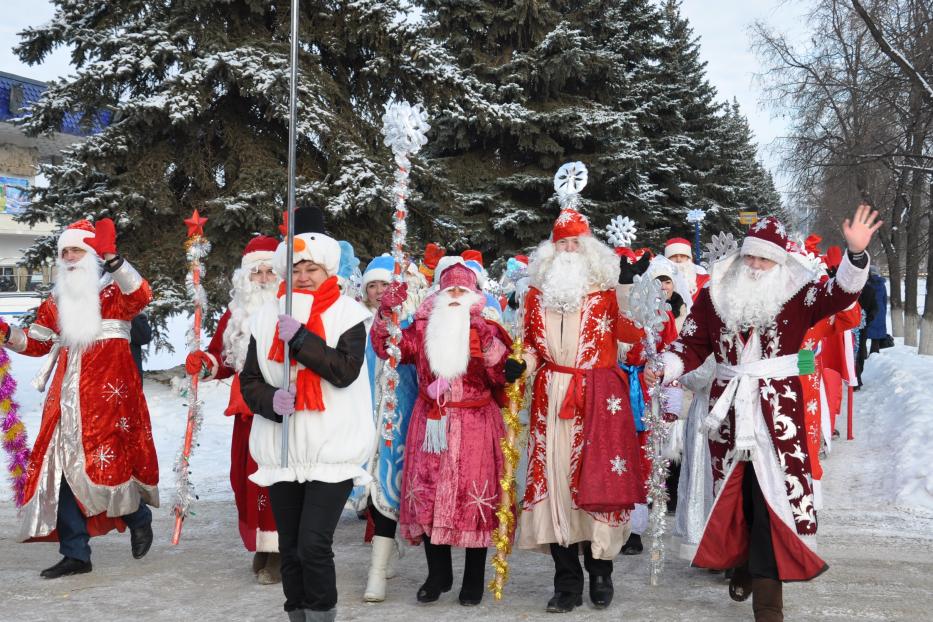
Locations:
column 452, row 496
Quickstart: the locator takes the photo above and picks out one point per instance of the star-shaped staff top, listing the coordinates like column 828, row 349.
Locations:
column 195, row 224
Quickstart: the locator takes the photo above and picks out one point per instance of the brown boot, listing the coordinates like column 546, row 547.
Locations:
column 767, row 600
column 259, row 562
column 271, row 573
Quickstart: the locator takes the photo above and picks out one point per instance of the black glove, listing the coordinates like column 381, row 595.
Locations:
column 628, row 271
column 514, row 370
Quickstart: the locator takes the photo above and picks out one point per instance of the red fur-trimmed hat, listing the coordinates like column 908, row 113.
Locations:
column 459, row 275
column 74, row 236
column 474, row 255
column 767, row 238
column 260, row 249
column 570, row 223
column 677, row 246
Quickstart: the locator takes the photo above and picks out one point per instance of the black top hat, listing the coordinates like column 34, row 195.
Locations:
column 308, row 218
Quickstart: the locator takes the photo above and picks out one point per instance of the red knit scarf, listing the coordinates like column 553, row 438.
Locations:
column 308, row 383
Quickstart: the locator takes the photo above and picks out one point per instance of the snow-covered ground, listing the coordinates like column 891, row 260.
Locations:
column 876, row 533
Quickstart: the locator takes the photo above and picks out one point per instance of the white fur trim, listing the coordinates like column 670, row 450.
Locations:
column 678, row 248
column 127, row 278
column 673, row 366
column 319, row 248
column 253, row 259
column 850, row 278
column 376, row 274
column 267, row 541
column 75, row 238
column 763, row 248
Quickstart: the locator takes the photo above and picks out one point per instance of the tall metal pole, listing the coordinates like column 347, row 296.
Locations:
column 290, row 236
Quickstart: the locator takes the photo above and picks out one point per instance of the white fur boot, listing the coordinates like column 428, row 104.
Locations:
column 383, row 548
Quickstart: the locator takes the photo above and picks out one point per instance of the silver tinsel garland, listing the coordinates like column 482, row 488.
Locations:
column 649, row 310
column 405, row 130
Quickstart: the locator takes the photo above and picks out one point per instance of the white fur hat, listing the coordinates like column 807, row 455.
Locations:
column 75, row 235
column 315, row 247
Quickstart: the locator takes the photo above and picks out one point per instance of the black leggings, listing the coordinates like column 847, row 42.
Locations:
column 385, row 526
column 306, row 515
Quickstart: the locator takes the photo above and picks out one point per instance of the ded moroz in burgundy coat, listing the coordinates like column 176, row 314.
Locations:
column 780, row 457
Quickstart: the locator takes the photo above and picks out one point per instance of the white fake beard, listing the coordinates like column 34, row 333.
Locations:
column 565, row 282
column 77, row 297
column 447, row 338
column 753, row 297
column 248, row 297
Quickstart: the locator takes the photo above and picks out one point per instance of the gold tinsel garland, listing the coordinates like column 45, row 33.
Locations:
column 504, row 534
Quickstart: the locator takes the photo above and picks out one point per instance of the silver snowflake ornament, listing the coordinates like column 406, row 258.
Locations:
column 721, row 245
column 647, row 304
column 695, row 216
column 613, row 404
column 405, row 127
column 570, row 179
column 621, row 231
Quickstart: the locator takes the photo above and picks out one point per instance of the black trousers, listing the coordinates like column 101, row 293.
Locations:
column 385, row 526
column 568, row 575
column 862, row 354
column 306, row 515
column 761, row 562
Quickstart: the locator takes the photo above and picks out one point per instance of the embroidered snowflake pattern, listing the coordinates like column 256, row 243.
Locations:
column 114, row 392
column 603, row 324
column 123, row 424
column 613, row 404
column 261, row 502
column 102, row 457
column 565, row 217
column 479, row 499
column 689, row 327
column 413, row 491
column 811, row 297
column 618, row 465
column 760, row 225
column 811, row 407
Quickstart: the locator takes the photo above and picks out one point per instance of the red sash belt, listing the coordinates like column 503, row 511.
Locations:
column 437, row 409
column 575, row 397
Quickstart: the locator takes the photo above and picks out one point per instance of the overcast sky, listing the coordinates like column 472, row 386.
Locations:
column 721, row 24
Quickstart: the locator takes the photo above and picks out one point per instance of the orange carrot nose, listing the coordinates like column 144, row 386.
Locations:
column 300, row 245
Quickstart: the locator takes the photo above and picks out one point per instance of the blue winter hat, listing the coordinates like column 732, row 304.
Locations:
column 348, row 260
column 380, row 268
column 477, row 267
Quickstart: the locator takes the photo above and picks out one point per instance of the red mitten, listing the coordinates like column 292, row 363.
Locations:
column 393, row 296
column 4, row 329
column 104, row 240
column 196, row 361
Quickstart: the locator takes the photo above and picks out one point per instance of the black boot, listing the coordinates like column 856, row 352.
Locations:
column 141, row 540
column 564, row 602
column 66, row 566
column 633, row 545
column 440, row 572
column 474, row 573
column 601, row 590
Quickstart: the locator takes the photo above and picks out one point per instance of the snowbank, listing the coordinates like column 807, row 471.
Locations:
column 897, row 406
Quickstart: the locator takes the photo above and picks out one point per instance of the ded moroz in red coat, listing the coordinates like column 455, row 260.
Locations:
column 779, row 444
column 254, row 512
column 95, row 428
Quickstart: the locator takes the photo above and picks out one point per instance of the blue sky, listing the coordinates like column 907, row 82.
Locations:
column 721, row 24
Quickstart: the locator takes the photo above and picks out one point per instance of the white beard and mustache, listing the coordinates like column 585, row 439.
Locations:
column 247, row 298
column 77, row 297
column 564, row 278
column 689, row 272
column 447, row 338
column 752, row 299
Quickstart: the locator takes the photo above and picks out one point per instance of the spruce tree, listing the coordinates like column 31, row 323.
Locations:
column 567, row 73
column 196, row 95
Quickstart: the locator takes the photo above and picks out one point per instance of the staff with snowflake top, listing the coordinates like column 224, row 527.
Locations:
column 93, row 467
